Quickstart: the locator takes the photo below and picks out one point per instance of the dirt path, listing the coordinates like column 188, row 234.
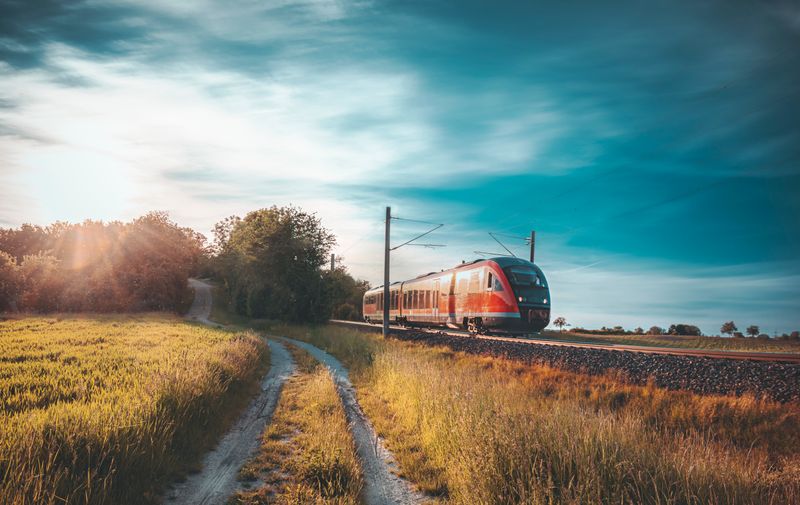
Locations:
column 217, row 480
column 381, row 486
column 201, row 306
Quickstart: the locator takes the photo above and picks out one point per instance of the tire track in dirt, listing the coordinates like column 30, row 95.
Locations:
column 217, row 480
column 381, row 486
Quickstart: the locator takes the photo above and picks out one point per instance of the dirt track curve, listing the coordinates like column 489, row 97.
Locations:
column 217, row 481
column 381, row 486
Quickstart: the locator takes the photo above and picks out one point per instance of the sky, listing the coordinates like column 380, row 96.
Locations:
column 653, row 146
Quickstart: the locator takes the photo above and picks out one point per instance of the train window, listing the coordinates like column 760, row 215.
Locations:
column 427, row 298
column 474, row 282
column 490, row 282
column 498, row 286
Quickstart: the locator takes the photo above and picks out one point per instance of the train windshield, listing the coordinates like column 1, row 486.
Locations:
column 522, row 276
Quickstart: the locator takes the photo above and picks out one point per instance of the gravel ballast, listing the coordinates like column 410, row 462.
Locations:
column 776, row 381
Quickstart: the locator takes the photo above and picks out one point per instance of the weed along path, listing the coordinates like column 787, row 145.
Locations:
column 217, row 481
column 381, row 486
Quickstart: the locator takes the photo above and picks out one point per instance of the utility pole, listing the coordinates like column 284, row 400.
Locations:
column 533, row 244
column 333, row 262
column 387, row 248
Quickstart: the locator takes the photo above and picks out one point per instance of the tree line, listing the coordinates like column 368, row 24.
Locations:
column 98, row 267
column 270, row 263
column 728, row 328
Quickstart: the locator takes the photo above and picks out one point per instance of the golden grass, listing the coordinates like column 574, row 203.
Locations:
column 480, row 430
column 307, row 454
column 106, row 409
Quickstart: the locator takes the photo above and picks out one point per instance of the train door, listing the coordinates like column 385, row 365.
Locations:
column 451, row 302
column 435, row 301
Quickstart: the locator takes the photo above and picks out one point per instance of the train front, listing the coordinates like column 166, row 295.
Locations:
column 531, row 293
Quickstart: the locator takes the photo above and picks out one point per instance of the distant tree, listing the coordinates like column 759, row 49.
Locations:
column 559, row 323
column 728, row 328
column 795, row 335
column 763, row 336
column 738, row 334
column 639, row 330
column 618, row 329
column 10, row 281
column 684, row 329
column 345, row 293
column 42, row 283
column 753, row 330
column 655, row 330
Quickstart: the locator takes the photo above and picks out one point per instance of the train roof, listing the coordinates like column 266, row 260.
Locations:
column 502, row 261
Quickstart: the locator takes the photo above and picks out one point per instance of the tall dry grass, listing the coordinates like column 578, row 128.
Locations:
column 487, row 431
column 100, row 410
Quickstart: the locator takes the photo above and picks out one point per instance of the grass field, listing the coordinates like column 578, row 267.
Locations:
column 107, row 409
column 681, row 341
column 307, row 454
column 476, row 430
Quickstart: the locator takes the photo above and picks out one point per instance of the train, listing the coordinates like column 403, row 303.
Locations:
column 502, row 295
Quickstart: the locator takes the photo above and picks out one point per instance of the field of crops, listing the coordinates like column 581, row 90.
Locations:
column 777, row 345
column 107, row 409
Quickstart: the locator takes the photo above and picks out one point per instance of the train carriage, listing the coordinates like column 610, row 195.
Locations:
column 504, row 294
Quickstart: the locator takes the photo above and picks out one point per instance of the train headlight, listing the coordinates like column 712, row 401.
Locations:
column 544, row 301
column 522, row 298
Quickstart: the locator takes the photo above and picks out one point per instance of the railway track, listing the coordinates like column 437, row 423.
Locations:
column 698, row 353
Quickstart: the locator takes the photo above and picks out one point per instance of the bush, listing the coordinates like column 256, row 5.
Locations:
column 763, row 336
column 684, row 329
column 655, row 330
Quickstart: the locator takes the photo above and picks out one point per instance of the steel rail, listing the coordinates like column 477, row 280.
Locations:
column 675, row 351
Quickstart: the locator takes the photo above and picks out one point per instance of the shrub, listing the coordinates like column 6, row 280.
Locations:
column 684, row 329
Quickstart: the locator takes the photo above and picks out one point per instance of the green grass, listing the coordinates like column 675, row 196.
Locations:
column 680, row 341
column 477, row 430
column 106, row 409
column 307, row 453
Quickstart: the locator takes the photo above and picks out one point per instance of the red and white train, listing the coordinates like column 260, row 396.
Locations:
column 505, row 294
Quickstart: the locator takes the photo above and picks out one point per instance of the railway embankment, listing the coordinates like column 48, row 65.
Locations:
column 776, row 381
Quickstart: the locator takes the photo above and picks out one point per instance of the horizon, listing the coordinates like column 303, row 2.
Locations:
column 659, row 169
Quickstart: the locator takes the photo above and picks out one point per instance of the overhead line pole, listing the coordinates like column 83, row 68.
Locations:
column 386, row 250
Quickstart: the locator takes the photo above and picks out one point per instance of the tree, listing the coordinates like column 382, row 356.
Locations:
column 753, row 330
column 728, row 328
column 639, row 330
column 10, row 281
column 345, row 293
column 655, row 330
column 559, row 323
column 795, row 335
column 270, row 262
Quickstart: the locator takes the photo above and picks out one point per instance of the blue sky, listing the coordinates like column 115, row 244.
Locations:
column 654, row 146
